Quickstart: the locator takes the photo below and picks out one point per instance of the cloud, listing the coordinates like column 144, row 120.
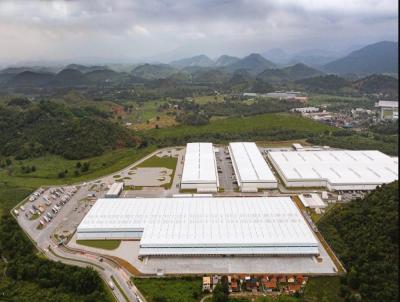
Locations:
column 131, row 30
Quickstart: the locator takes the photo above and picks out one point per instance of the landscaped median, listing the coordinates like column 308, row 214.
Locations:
column 101, row 244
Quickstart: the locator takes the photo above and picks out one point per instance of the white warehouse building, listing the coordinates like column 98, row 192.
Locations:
column 336, row 170
column 267, row 226
column 200, row 168
column 251, row 170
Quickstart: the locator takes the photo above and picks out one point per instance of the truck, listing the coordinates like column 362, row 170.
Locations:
column 111, row 284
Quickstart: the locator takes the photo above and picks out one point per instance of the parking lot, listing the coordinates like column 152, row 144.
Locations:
column 226, row 174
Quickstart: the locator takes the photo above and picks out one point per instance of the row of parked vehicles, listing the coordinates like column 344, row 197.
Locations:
column 60, row 194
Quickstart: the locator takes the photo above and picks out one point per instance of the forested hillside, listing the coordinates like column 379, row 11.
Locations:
column 27, row 277
column 365, row 236
column 32, row 129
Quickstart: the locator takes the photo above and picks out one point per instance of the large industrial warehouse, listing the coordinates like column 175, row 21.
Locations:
column 200, row 168
column 336, row 170
column 251, row 170
column 203, row 226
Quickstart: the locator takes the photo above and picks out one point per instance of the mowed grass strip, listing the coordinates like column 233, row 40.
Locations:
column 101, row 244
column 173, row 289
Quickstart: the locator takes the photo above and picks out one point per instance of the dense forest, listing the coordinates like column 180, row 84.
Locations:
column 31, row 129
column 365, row 236
column 28, row 277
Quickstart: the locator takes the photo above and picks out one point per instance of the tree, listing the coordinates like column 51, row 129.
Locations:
column 61, row 174
column 219, row 295
column 78, row 165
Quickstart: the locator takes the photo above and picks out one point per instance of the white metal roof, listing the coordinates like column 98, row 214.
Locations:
column 200, row 165
column 337, row 167
column 312, row 200
column 388, row 104
column 115, row 188
column 229, row 222
column 250, row 164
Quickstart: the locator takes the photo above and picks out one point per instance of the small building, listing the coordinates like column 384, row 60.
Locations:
column 389, row 110
column 305, row 109
column 206, row 283
column 294, row 288
column 312, row 201
column 298, row 147
column 115, row 190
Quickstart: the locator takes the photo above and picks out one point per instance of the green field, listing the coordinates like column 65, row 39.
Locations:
column 259, row 127
column 331, row 100
column 101, row 244
column 324, row 289
column 204, row 99
column 184, row 289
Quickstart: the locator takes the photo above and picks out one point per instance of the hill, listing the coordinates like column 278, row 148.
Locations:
column 365, row 236
column 378, row 83
column 33, row 129
column 381, row 57
column 226, row 60
column 200, row 60
column 210, row 76
column 253, row 63
column 29, row 79
column 290, row 73
column 105, row 76
column 156, row 71
column 325, row 84
column 69, row 78
column 84, row 68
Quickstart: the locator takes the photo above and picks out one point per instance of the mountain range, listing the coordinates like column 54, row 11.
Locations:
column 378, row 58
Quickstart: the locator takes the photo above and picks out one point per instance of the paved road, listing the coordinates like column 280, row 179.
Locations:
column 225, row 178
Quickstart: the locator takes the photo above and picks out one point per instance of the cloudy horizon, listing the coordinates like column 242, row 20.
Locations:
column 123, row 31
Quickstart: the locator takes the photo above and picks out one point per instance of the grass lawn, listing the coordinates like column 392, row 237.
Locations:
column 48, row 167
column 174, row 289
column 322, row 289
column 205, row 99
column 101, row 244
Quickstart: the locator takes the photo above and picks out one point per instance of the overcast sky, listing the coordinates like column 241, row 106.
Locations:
column 131, row 31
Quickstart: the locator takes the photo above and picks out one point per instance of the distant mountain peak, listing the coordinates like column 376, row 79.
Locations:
column 380, row 57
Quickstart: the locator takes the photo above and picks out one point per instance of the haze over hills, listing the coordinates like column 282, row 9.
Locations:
column 381, row 57
column 376, row 58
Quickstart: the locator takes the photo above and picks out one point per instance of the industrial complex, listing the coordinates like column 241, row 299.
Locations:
column 200, row 168
column 334, row 169
column 224, row 209
column 203, row 226
column 251, row 170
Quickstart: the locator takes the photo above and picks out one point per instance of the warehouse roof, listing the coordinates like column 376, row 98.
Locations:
column 250, row 164
column 199, row 164
column 338, row 167
column 236, row 223
column 388, row 104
